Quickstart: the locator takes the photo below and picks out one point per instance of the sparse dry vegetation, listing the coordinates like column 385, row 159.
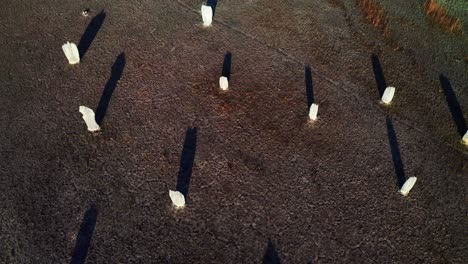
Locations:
column 440, row 15
column 374, row 13
column 336, row 3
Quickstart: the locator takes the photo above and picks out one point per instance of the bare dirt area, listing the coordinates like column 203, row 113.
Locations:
column 263, row 183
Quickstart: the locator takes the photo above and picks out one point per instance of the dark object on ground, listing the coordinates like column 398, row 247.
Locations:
column 453, row 105
column 309, row 87
column 90, row 33
column 396, row 156
column 271, row 255
column 186, row 161
column 116, row 74
column 213, row 4
column 226, row 72
column 83, row 239
column 379, row 75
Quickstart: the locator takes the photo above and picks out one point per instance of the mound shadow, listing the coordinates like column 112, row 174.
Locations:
column 396, row 156
column 90, row 33
column 226, row 71
column 271, row 255
column 309, row 86
column 84, row 236
column 116, row 74
column 453, row 104
column 186, row 161
column 213, row 4
column 378, row 74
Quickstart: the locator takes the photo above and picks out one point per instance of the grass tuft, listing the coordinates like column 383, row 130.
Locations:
column 440, row 15
column 374, row 13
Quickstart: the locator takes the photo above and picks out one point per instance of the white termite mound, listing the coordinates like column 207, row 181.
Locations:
column 313, row 112
column 177, row 198
column 71, row 52
column 207, row 15
column 465, row 138
column 89, row 118
column 388, row 94
column 223, row 83
column 407, row 186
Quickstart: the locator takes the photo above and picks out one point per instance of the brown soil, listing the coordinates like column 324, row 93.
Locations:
column 263, row 183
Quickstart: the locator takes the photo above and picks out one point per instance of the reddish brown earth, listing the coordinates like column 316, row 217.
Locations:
column 267, row 185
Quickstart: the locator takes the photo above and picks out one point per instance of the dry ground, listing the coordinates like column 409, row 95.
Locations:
column 267, row 185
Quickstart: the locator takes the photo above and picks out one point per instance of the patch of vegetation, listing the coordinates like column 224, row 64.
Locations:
column 374, row 13
column 436, row 9
column 456, row 8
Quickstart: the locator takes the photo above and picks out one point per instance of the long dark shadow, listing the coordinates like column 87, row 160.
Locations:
column 116, row 74
column 453, row 104
column 213, row 4
column 186, row 161
column 83, row 239
column 309, row 86
column 396, row 156
column 226, row 72
column 90, row 33
column 379, row 75
column 271, row 254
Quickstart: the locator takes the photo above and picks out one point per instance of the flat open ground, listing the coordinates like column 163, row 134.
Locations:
column 264, row 184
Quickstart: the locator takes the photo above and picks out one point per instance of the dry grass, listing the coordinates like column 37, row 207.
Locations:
column 441, row 16
column 374, row 13
column 336, row 3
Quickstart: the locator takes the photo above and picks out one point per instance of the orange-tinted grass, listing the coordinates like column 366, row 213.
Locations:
column 440, row 15
column 374, row 13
